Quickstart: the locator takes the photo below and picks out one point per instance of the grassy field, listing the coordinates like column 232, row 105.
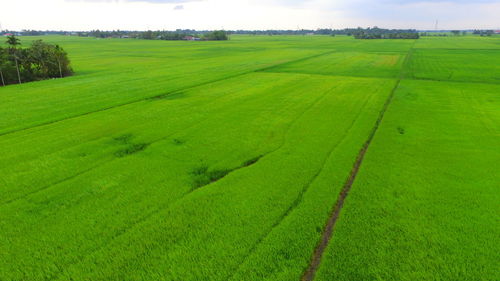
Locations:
column 164, row 160
column 425, row 204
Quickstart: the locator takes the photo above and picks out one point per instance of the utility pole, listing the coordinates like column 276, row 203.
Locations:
column 17, row 68
column 1, row 76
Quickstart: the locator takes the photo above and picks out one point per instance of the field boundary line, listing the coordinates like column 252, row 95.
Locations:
column 263, row 69
column 455, row 49
column 334, row 75
column 266, row 69
column 327, row 234
column 386, row 78
column 451, row 81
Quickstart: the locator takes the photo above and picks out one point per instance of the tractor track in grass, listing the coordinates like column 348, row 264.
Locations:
column 173, row 92
column 48, row 186
column 77, row 174
column 304, row 189
column 123, row 231
column 327, row 234
column 2, row 204
column 102, row 163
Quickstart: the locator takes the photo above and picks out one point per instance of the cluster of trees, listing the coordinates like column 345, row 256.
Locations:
column 37, row 62
column 323, row 31
column 483, row 32
column 458, row 32
column 433, row 34
column 183, row 35
column 274, row 32
column 28, row 32
column 159, row 34
column 103, row 34
column 362, row 35
column 379, row 33
column 217, row 35
column 32, row 33
column 163, row 35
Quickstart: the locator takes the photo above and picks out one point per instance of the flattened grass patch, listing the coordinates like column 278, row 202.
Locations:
column 131, row 149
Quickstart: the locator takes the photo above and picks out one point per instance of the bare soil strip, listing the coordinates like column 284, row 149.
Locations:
column 328, row 231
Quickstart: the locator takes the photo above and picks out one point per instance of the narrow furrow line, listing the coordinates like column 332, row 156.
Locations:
column 144, row 218
column 89, row 169
column 328, row 231
column 304, row 189
column 382, row 77
column 310, row 272
column 52, row 184
column 294, row 61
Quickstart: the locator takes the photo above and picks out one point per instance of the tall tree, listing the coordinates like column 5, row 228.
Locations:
column 37, row 62
column 13, row 41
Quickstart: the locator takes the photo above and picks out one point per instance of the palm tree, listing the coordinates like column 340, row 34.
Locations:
column 13, row 41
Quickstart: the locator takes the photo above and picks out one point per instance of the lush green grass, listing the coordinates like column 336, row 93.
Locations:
column 115, row 72
column 456, row 65
column 425, row 203
column 123, row 201
column 361, row 64
column 466, row 42
column 222, row 161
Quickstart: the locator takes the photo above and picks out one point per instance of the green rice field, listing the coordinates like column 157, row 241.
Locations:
column 174, row 160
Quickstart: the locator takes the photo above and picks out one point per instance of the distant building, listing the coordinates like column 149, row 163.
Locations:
column 191, row 38
column 8, row 34
column 497, row 31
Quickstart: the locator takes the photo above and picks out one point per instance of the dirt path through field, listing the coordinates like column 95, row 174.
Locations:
column 328, row 231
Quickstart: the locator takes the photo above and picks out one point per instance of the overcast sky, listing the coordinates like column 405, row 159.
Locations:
column 246, row 14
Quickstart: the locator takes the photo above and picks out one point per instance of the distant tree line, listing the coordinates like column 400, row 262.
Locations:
column 159, row 34
column 483, row 32
column 360, row 33
column 28, row 32
column 380, row 33
column 38, row 62
column 191, row 34
column 433, row 34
